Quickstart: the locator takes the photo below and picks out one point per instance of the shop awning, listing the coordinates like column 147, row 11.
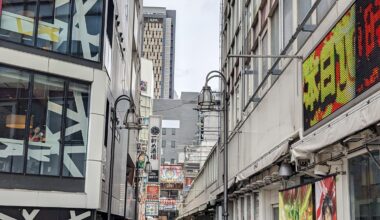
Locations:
column 264, row 161
column 355, row 119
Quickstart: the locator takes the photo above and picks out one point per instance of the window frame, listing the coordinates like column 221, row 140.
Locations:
column 63, row 117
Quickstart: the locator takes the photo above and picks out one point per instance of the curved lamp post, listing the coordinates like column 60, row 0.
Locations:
column 206, row 102
column 131, row 123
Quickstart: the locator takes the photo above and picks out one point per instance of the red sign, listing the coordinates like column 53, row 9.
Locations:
column 1, row 6
column 153, row 192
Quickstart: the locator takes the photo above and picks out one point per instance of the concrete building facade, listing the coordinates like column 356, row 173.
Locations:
column 62, row 65
column 297, row 126
column 159, row 46
column 179, row 125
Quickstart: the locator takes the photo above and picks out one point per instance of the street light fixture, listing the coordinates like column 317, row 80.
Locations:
column 130, row 123
column 206, row 102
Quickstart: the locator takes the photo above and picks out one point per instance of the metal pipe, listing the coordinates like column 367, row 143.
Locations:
column 265, row 56
column 126, row 181
column 114, row 121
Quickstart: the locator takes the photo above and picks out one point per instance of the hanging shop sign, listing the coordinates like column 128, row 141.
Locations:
column 151, row 208
column 154, row 148
column 168, row 204
column 172, row 186
column 325, row 199
column 153, row 176
column 171, row 174
column 152, row 192
column 343, row 66
column 296, row 203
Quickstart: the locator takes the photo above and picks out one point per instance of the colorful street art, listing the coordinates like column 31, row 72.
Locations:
column 325, row 199
column 296, row 203
column 344, row 65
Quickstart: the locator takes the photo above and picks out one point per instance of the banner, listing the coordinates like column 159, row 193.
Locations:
column 168, row 204
column 153, row 176
column 296, row 203
column 325, row 199
column 154, row 148
column 171, row 174
column 344, row 65
column 151, row 208
column 152, row 192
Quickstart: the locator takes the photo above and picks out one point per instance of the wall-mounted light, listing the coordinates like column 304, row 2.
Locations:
column 16, row 121
column 285, row 170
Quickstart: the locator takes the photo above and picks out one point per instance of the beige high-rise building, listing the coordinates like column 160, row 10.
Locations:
column 159, row 47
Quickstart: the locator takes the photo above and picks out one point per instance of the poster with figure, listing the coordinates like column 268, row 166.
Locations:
column 296, row 203
column 325, row 199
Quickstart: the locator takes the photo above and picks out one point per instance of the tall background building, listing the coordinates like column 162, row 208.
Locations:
column 159, row 46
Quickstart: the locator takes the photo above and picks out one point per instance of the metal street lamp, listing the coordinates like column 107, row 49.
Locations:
column 131, row 123
column 206, row 102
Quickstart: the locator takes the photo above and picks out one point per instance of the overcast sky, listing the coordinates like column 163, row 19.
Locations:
column 197, row 40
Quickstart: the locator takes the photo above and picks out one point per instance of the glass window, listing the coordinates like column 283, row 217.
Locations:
column 173, row 131
column 172, row 161
column 45, row 134
column 364, row 185
column 14, row 94
column 163, row 143
column 173, row 144
column 303, row 8
column 323, row 8
column 287, row 21
column 264, row 50
column 275, row 32
column 249, row 208
column 18, row 20
column 164, row 131
column 75, row 144
column 86, row 29
column 53, row 25
column 276, row 213
column 31, row 124
column 256, row 209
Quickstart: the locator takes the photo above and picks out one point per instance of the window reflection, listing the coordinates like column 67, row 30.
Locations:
column 17, row 20
column 55, row 137
column 74, row 159
column 53, row 25
column 44, row 138
column 13, row 109
column 19, row 17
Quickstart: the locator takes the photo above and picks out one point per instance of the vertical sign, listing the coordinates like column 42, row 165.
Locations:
column 154, row 148
column 1, row 6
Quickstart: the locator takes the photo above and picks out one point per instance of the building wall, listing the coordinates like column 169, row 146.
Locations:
column 158, row 46
column 266, row 113
column 108, row 75
column 182, row 112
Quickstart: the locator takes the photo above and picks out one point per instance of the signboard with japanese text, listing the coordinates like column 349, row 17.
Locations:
column 167, row 204
column 151, row 208
column 152, row 191
column 153, row 176
column 171, row 174
column 344, row 65
column 154, row 147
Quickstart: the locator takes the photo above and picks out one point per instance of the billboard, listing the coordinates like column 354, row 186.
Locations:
column 167, row 204
column 296, row 203
column 325, row 199
column 171, row 174
column 153, row 176
column 154, row 148
column 151, row 208
column 152, row 191
column 344, row 64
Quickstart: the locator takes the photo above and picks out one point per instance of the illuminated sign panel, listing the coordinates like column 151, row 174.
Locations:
column 343, row 65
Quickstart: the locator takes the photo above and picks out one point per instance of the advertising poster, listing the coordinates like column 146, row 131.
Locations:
column 171, row 174
column 167, row 204
column 296, row 203
column 325, row 199
column 153, row 176
column 152, row 192
column 344, row 64
column 151, row 208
